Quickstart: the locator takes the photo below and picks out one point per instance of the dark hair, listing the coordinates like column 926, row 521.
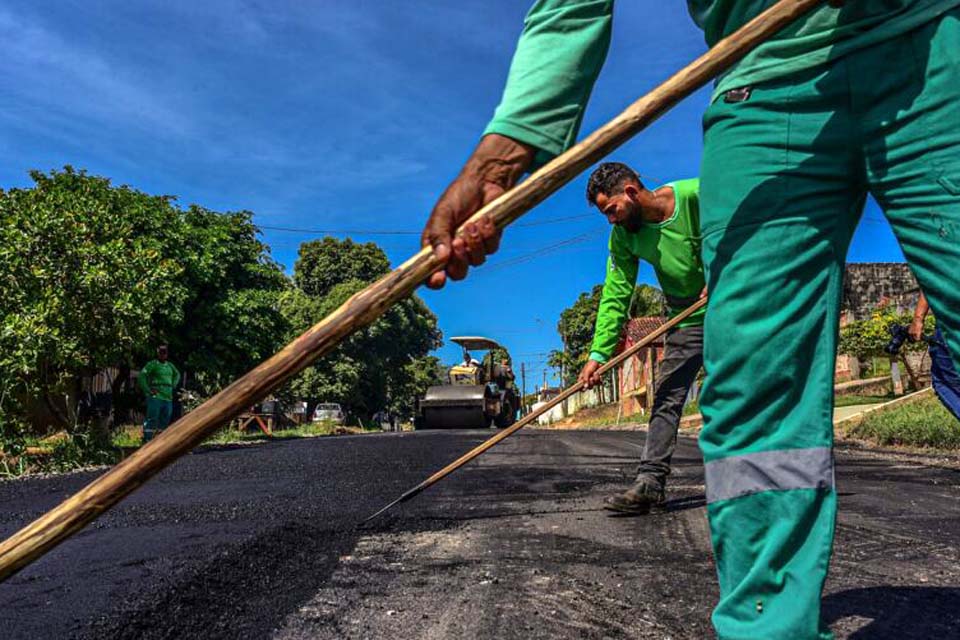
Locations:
column 608, row 179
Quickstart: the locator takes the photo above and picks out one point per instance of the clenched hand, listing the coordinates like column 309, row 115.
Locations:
column 589, row 377
column 494, row 167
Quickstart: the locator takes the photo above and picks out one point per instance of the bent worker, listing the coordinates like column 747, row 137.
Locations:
column 661, row 227
column 796, row 134
column 943, row 375
column 157, row 380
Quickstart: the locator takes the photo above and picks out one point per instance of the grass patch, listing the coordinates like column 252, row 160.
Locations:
column 921, row 423
column 132, row 435
column 852, row 399
column 230, row 435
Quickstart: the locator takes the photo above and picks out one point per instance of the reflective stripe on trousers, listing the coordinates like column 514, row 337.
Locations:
column 737, row 476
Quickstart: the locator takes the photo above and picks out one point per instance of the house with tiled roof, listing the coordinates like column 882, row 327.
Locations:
column 636, row 378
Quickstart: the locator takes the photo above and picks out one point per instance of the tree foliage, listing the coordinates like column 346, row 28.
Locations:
column 377, row 367
column 867, row 338
column 94, row 275
column 229, row 319
column 324, row 264
column 577, row 323
column 83, row 266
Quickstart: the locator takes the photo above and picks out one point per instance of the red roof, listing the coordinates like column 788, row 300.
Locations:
column 636, row 329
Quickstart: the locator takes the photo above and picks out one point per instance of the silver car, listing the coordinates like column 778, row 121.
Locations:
column 328, row 412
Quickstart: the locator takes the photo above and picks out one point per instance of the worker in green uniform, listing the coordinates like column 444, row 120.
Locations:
column 849, row 100
column 661, row 227
column 157, row 380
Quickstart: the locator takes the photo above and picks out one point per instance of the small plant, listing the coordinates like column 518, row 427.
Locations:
column 79, row 450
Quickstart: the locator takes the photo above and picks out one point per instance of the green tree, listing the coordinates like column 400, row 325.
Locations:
column 229, row 320
column 369, row 370
column 95, row 275
column 411, row 383
column 323, row 264
column 84, row 264
column 577, row 323
column 647, row 301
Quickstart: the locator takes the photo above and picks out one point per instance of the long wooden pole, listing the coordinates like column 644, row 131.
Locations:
column 367, row 305
column 520, row 424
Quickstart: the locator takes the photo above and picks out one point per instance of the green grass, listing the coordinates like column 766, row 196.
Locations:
column 130, row 435
column 921, row 423
column 230, row 435
column 850, row 400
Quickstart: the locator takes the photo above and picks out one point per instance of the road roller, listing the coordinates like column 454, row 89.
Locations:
column 477, row 393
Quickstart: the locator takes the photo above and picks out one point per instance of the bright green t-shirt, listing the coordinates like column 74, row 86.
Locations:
column 672, row 247
column 564, row 44
column 162, row 376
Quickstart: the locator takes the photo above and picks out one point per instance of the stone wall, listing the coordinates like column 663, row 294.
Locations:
column 867, row 284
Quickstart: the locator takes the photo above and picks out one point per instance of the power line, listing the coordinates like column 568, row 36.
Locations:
column 550, row 248
column 407, row 232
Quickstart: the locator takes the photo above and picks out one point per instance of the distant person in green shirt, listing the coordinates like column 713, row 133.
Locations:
column 661, row 227
column 855, row 98
column 157, row 380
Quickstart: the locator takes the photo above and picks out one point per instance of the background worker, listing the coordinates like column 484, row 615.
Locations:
column 943, row 375
column 158, row 379
column 661, row 227
column 847, row 100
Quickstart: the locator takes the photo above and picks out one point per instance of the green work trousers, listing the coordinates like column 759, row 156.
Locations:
column 158, row 417
column 787, row 166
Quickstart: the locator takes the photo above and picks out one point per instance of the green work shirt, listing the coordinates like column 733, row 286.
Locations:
column 564, row 44
column 672, row 247
column 162, row 376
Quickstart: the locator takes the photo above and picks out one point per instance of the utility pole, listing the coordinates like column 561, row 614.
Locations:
column 523, row 387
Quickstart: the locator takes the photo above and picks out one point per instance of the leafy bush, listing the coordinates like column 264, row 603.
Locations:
column 867, row 338
column 79, row 450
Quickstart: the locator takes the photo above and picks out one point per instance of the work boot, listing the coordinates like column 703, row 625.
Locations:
column 645, row 493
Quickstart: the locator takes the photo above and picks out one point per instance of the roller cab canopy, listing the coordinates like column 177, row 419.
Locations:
column 475, row 343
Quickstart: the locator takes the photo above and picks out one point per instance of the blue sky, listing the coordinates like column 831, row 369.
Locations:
column 339, row 115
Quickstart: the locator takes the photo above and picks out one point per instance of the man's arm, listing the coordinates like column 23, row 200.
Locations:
column 919, row 315
column 176, row 375
column 614, row 307
column 143, row 380
column 557, row 60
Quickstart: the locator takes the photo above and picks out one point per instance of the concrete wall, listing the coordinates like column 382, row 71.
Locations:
column 570, row 406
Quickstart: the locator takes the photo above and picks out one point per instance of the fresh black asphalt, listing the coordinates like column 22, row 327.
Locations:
column 261, row 542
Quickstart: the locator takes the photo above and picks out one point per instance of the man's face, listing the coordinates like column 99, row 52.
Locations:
column 621, row 209
column 162, row 354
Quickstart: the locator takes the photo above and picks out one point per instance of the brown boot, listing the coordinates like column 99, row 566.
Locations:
column 645, row 493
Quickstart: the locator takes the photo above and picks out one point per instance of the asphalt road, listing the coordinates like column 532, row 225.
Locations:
column 260, row 542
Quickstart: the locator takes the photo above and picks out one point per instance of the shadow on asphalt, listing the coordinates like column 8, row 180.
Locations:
column 246, row 591
column 670, row 506
column 904, row 613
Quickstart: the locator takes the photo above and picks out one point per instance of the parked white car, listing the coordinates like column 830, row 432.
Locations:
column 328, row 411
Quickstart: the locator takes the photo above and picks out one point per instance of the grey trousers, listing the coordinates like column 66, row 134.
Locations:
column 683, row 358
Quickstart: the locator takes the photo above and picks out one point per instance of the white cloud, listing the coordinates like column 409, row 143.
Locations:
column 45, row 72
